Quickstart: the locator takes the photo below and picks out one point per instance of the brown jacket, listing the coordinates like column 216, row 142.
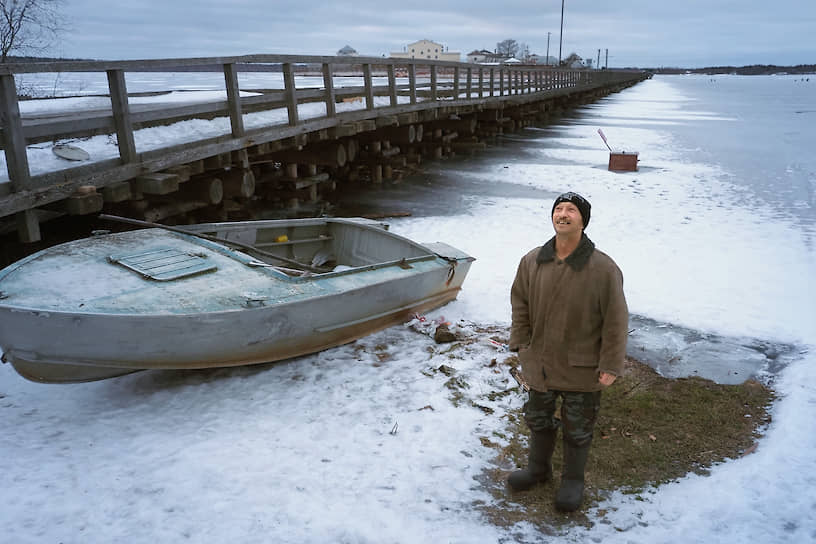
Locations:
column 570, row 319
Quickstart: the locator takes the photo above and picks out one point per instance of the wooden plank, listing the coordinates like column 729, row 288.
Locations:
column 14, row 143
column 234, row 100
column 121, row 116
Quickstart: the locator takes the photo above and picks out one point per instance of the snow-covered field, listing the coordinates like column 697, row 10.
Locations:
column 363, row 443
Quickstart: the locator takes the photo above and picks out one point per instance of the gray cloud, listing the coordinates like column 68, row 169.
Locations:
column 643, row 33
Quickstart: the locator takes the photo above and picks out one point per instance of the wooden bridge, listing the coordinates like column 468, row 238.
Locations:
column 398, row 111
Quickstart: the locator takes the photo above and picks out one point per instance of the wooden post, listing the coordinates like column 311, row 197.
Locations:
column 369, row 87
column 328, row 85
column 121, row 116
column 433, row 82
column 392, row 85
column 290, row 93
column 456, row 83
column 492, row 80
column 234, row 100
column 501, row 81
column 412, row 83
column 28, row 226
column 469, row 84
column 481, row 82
column 14, row 143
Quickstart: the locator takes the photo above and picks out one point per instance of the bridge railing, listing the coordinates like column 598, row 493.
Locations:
column 349, row 88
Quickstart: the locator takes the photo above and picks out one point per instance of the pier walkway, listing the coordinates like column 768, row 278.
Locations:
column 303, row 125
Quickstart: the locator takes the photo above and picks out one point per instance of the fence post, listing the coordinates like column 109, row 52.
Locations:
column 433, row 82
column 492, row 80
column 234, row 100
column 412, row 83
column 290, row 93
column 121, row 116
column 392, row 84
column 481, row 83
column 14, row 143
column 369, row 87
column 328, row 85
column 469, row 81
column 456, row 83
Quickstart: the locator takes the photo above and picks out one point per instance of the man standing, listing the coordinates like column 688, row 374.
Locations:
column 569, row 327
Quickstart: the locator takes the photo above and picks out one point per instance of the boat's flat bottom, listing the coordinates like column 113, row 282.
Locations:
column 43, row 372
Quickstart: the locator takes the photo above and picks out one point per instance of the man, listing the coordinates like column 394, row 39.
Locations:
column 569, row 327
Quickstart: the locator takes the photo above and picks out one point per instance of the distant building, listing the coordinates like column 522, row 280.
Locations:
column 347, row 51
column 426, row 49
column 542, row 59
column 478, row 56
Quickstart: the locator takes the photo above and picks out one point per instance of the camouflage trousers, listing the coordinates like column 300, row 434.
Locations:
column 579, row 411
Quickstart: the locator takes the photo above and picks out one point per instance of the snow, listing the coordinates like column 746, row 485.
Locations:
column 365, row 443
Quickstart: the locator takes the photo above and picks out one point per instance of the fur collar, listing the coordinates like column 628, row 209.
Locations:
column 577, row 259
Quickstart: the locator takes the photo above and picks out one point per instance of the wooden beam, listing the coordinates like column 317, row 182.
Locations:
column 412, row 83
column 14, row 143
column 291, row 94
column 234, row 100
column 369, row 88
column 392, row 85
column 328, row 85
column 28, row 226
column 121, row 116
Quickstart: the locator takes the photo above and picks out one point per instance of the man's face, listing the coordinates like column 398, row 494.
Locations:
column 567, row 218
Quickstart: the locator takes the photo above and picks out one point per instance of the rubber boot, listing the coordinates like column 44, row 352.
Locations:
column 571, row 492
column 539, row 465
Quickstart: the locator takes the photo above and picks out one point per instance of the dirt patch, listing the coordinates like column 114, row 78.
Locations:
column 651, row 430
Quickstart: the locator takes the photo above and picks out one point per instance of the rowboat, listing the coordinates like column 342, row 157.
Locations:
column 214, row 295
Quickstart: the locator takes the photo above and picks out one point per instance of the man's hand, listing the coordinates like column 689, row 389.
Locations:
column 606, row 379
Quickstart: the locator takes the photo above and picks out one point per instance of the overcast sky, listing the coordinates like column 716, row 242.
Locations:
column 642, row 33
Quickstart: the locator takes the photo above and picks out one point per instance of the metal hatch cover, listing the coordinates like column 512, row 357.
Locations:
column 164, row 263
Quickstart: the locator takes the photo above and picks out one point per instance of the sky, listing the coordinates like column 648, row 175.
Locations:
column 633, row 33
column 365, row 444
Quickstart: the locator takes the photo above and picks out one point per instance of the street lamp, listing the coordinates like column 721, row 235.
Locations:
column 561, row 34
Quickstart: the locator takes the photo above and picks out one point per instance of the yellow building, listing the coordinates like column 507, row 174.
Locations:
column 426, row 49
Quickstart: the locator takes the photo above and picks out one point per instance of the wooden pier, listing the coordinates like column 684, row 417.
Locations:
column 425, row 110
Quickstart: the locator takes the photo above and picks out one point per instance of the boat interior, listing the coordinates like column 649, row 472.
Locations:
column 306, row 247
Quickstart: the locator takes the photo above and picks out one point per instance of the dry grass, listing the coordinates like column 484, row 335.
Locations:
column 650, row 430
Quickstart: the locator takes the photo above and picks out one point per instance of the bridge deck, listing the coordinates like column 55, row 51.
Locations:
column 392, row 93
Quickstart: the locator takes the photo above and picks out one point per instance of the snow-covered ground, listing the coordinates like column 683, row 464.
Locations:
column 364, row 443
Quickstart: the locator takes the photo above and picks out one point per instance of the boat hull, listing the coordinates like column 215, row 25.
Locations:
column 51, row 346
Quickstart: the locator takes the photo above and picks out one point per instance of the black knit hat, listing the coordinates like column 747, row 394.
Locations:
column 580, row 202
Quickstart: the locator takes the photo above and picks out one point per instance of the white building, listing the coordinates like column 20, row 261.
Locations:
column 426, row 49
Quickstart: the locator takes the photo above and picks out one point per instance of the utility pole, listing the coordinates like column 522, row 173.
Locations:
column 598, row 64
column 548, row 48
column 561, row 34
column 606, row 62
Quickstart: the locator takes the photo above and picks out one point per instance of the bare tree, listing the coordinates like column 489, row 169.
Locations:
column 28, row 25
column 508, row 48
